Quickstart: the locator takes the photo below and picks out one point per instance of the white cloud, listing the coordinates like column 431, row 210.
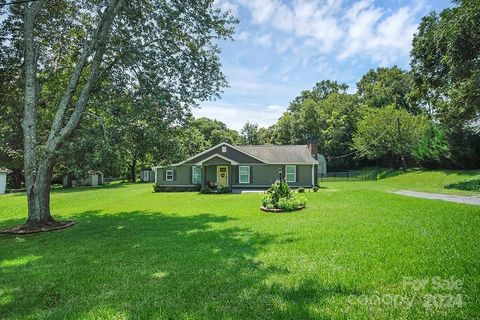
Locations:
column 235, row 116
column 226, row 5
column 264, row 40
column 347, row 29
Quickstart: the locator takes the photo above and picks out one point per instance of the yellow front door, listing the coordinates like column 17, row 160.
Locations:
column 222, row 176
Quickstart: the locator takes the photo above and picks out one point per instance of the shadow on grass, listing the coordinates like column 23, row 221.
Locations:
column 471, row 184
column 115, row 185
column 150, row 265
column 59, row 189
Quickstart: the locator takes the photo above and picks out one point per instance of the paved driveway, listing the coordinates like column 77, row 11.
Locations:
column 474, row 200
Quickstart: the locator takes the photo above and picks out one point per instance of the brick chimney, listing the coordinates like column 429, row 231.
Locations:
column 313, row 148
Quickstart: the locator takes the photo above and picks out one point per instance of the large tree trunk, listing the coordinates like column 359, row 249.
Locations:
column 133, row 170
column 39, row 197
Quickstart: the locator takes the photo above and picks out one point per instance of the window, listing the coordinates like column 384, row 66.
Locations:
column 244, row 174
column 291, row 173
column 196, row 175
column 224, row 149
column 169, row 175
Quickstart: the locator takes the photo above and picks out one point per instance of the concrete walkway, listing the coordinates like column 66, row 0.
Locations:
column 474, row 200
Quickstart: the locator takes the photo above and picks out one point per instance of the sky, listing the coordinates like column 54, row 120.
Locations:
column 283, row 47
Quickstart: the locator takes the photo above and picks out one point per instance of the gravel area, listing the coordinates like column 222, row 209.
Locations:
column 474, row 200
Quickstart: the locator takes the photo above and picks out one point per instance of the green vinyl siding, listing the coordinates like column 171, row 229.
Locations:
column 230, row 153
column 211, row 173
column 215, row 161
column 182, row 176
column 265, row 175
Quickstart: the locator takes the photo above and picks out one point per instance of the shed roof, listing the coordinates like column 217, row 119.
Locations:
column 283, row 154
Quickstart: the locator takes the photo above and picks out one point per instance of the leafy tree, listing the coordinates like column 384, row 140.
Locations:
column 388, row 133
column 214, row 131
column 319, row 92
column 446, row 64
column 386, row 86
column 285, row 129
column 340, row 113
column 432, row 149
column 250, row 134
column 68, row 47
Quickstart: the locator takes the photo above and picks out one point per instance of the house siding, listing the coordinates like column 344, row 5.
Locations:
column 216, row 161
column 231, row 153
column 182, row 176
column 265, row 175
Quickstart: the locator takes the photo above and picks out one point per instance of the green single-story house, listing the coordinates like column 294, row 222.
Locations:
column 247, row 166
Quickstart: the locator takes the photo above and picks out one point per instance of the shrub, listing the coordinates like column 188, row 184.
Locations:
column 279, row 196
column 224, row 190
column 315, row 189
column 156, row 188
column 301, row 190
column 206, row 190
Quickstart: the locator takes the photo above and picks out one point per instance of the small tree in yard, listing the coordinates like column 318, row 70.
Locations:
column 165, row 47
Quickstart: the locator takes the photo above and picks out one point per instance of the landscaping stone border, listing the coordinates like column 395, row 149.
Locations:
column 281, row 210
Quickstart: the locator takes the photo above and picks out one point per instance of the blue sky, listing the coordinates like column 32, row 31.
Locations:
column 283, row 47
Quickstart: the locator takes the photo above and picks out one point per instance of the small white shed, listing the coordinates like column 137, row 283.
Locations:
column 147, row 176
column 3, row 180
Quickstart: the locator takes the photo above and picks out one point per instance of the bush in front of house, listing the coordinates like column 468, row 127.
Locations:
column 206, row 190
column 301, row 190
column 280, row 197
column 156, row 188
column 224, row 190
column 315, row 189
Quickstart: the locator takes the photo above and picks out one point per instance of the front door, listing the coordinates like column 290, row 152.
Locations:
column 222, row 176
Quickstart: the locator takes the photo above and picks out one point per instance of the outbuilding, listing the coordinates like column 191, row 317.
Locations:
column 3, row 180
column 322, row 166
column 147, row 175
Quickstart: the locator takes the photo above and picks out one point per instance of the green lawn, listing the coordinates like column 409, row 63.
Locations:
column 138, row 254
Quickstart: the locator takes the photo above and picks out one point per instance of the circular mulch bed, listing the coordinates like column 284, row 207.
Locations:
column 281, row 210
column 23, row 229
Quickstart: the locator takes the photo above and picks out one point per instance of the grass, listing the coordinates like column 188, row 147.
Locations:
column 434, row 181
column 138, row 254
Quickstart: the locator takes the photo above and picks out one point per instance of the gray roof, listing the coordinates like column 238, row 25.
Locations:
column 285, row 154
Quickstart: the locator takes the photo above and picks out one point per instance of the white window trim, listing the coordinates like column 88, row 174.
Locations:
column 239, row 175
column 167, row 174
column 193, row 174
column 294, row 173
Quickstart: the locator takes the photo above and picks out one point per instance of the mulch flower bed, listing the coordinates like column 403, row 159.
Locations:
column 280, row 210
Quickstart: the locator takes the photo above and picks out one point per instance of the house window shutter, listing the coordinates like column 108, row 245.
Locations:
column 191, row 174
column 237, row 178
column 297, row 179
column 251, row 174
column 174, row 175
column 164, row 175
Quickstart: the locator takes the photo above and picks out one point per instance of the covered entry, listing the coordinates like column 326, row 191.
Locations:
column 217, row 170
